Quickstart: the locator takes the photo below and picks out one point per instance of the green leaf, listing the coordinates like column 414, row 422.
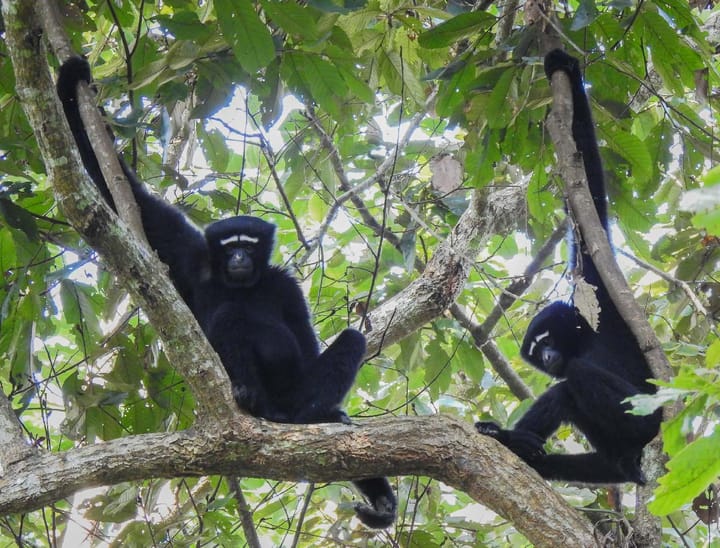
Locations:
column 454, row 29
column 20, row 333
column 470, row 361
column 498, row 103
column 712, row 356
column 117, row 505
column 215, row 148
column 585, row 14
column 410, row 353
column 632, row 149
column 438, row 372
column 314, row 76
column 294, row 18
column 80, row 310
column 691, row 470
column 708, row 221
column 712, row 177
column 356, row 85
column 70, row 305
column 185, row 25
column 181, row 55
column 248, row 36
column 18, row 218
column 400, row 77
column 676, row 430
column 8, row 257
column 272, row 95
column 331, row 6
column 672, row 58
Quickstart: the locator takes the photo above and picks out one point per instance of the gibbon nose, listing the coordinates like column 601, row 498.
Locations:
column 551, row 358
column 239, row 263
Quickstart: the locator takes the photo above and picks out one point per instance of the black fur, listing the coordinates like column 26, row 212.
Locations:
column 598, row 369
column 253, row 313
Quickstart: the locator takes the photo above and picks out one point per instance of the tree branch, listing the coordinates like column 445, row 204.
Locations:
column 244, row 512
column 683, row 285
column 488, row 347
column 511, row 293
column 481, row 332
column 438, row 446
column 491, row 211
column 95, row 126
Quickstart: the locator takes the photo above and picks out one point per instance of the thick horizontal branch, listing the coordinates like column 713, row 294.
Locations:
column 436, row 446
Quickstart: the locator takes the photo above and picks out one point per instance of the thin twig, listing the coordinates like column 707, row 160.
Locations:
column 351, row 191
column 301, row 518
column 694, row 299
column 269, row 154
column 488, row 347
column 244, row 512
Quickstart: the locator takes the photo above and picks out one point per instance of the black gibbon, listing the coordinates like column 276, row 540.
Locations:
column 597, row 369
column 253, row 313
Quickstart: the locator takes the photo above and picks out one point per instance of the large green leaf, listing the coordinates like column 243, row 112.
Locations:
column 400, row 77
column 632, row 149
column 17, row 217
column 460, row 26
column 294, row 18
column 317, row 78
column 248, row 36
column 690, row 472
column 584, row 15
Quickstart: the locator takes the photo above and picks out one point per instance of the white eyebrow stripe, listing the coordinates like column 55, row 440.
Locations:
column 228, row 240
column 239, row 238
column 540, row 337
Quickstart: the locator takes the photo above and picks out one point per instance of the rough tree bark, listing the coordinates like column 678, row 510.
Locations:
column 436, row 446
